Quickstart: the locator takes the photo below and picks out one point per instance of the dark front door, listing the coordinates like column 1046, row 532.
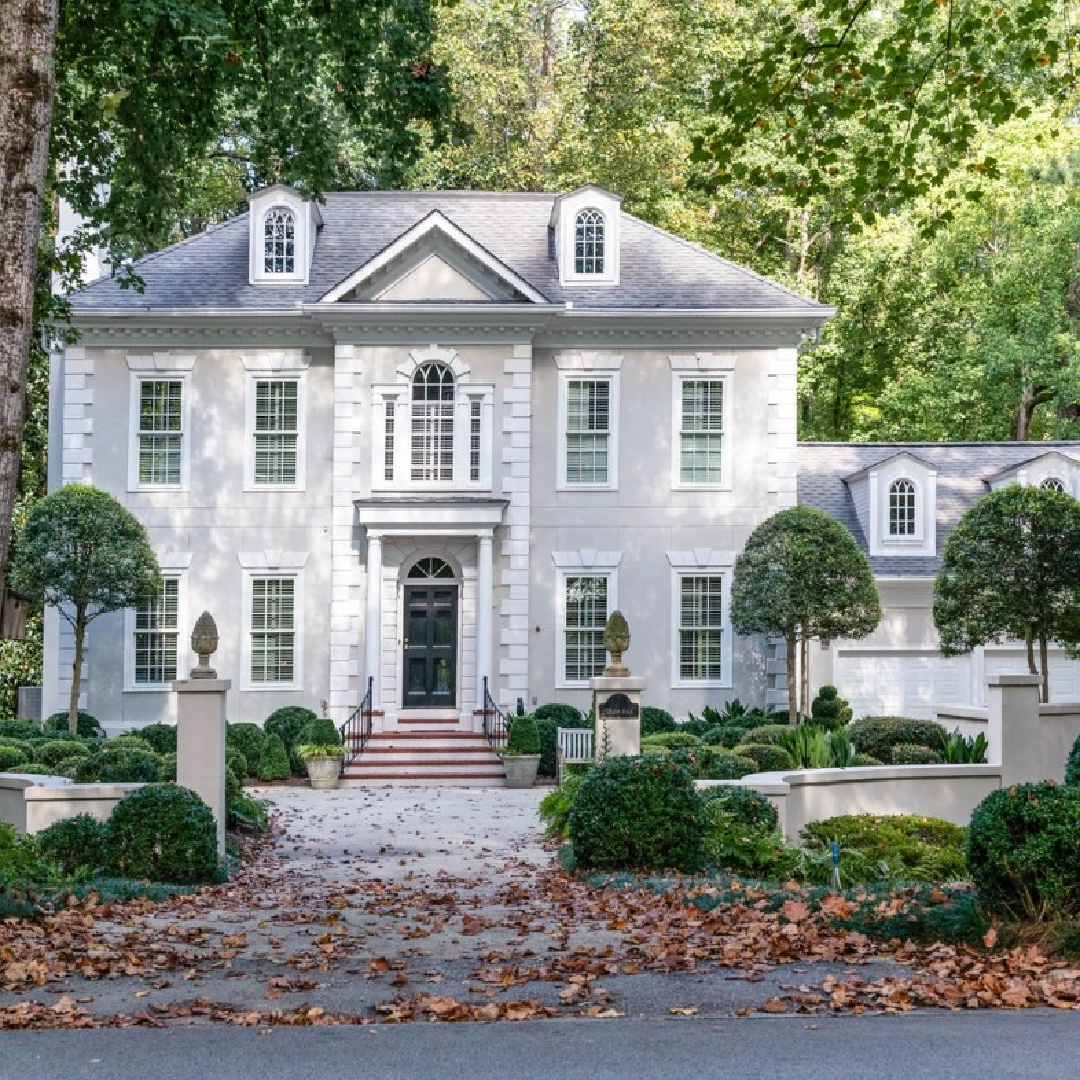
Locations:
column 430, row 646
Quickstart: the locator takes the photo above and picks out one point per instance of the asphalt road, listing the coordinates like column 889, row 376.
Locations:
column 1032, row 1045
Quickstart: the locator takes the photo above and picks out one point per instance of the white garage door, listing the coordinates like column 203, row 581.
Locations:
column 901, row 683
column 1064, row 673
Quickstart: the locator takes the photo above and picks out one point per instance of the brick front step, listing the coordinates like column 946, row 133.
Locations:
column 451, row 757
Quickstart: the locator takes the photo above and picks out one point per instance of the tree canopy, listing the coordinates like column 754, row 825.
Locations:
column 1011, row 569
column 801, row 575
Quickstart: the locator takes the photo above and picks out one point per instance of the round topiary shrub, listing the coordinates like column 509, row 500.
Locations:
column 768, row 758
column 163, row 832
column 723, row 735
column 1023, row 848
column 322, row 731
column 637, row 814
column 119, row 766
column 523, row 737
column 656, row 721
column 1072, row 765
column 74, row 843
column 911, row 754
column 19, row 729
column 11, row 760
column 673, row 740
column 23, row 745
column 877, row 735
column 727, row 765
column 767, row 734
column 743, row 805
column 88, row 727
column 864, row 760
column 248, row 739
column 160, row 737
column 67, row 767
column 828, row 710
column 130, row 742
column 35, row 768
column 564, row 715
column 57, row 750
column 287, row 724
column 273, row 761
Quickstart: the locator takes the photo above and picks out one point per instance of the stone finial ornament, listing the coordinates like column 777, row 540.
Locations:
column 204, row 643
column 616, row 641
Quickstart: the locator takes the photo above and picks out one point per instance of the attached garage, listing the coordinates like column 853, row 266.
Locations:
column 900, row 682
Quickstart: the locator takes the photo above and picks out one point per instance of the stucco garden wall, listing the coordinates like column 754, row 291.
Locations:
column 33, row 803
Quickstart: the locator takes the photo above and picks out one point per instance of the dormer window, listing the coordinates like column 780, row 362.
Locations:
column 589, row 242
column 902, row 508
column 1052, row 483
column 279, row 241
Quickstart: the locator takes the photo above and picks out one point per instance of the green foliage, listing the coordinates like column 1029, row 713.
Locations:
column 167, row 768
column 768, row 734
column 236, row 763
column 321, row 731
column 1072, row 765
column 19, row 729
column 1024, row 851
column 556, row 805
column 273, row 761
column 865, row 760
column 726, row 765
column 24, row 746
column 161, row 737
column 656, row 721
column 961, row 750
column 673, row 740
column 57, row 750
column 164, row 833
column 130, row 742
column 802, row 575
column 747, row 807
column 637, row 814
column 913, row 754
column 287, row 724
column 75, row 843
column 807, row 745
column 564, row 715
column 727, row 736
column 247, row 813
column 11, row 760
column 68, row 766
column 828, row 710
column 877, row 735
column 20, row 858
column 523, row 737
column 87, row 725
column 117, row 766
column 743, row 849
column 35, row 768
column 1011, row 569
column 767, row 758
column 546, row 732
column 248, row 739
column 20, row 661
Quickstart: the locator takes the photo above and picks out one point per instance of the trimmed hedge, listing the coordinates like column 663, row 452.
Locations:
column 236, row 762
column 743, row 805
column 564, row 715
column 130, row 742
column 86, row 725
column 75, row 843
column 768, row 734
column 877, row 735
column 321, row 731
column 672, row 740
column 161, row 737
column 120, row 766
column 769, row 758
column 911, row 754
column 164, row 833
column 656, row 721
column 57, row 750
column 865, row 760
column 523, row 737
column 248, row 739
column 1072, row 765
column 726, row 765
column 1023, row 848
column 637, row 814
column 723, row 735
column 273, row 761
column 19, row 729
column 167, row 765
column 11, row 760
column 287, row 723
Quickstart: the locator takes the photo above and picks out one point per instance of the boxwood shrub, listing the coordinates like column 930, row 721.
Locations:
column 19, row 729
column 236, row 762
column 57, row 750
column 75, row 843
column 563, row 714
column 523, row 737
column 287, row 723
column 68, row 767
column 727, row 765
column 743, row 805
column 672, row 740
column 911, row 754
column 768, row 758
column 86, row 725
column 11, row 760
column 724, row 735
column 167, row 768
column 1023, row 848
column 767, row 734
column 164, row 833
column 1072, row 765
column 248, row 739
column 130, row 742
column 161, row 737
column 273, row 761
column 319, row 731
column 637, row 814
column 877, row 735
column 118, row 766
column 656, row 721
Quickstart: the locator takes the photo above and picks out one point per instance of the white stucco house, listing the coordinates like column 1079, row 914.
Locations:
column 431, row 440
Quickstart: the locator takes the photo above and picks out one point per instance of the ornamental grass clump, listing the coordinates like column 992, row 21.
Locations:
column 637, row 814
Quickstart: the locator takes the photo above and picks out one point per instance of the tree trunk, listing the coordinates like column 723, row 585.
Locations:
column 27, row 88
column 804, row 681
column 792, row 688
column 1029, row 640
column 76, row 670
column 1044, row 660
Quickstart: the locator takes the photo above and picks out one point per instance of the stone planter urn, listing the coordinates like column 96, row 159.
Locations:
column 324, row 772
column 521, row 769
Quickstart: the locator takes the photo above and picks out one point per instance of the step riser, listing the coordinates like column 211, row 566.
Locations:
column 430, row 781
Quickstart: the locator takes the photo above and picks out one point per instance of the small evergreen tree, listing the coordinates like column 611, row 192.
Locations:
column 273, row 761
column 829, row 710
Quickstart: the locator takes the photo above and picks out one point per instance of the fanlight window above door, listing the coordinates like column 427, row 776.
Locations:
column 430, row 568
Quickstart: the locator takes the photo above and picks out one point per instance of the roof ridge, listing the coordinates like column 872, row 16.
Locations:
column 746, row 271
column 441, row 192
column 1075, row 443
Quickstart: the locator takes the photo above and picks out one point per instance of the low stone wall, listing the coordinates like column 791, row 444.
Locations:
column 33, row 803
column 944, row 791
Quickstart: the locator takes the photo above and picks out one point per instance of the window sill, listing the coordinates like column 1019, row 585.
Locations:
column 149, row 688
column 565, row 486
column 680, row 485
column 251, row 488
column 711, row 684
column 272, row 687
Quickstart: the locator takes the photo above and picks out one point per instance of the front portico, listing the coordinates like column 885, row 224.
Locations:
column 430, row 608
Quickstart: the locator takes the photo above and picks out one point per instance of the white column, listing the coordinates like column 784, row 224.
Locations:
column 485, row 601
column 373, row 623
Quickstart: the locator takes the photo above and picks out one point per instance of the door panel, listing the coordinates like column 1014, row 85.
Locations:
column 430, row 646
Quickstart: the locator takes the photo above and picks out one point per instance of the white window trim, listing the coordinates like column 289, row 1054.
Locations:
column 173, row 565
column 583, row 563
column 270, row 571
column 702, row 563
column 255, row 377
column 924, row 541
column 135, row 381
column 568, row 209
column 301, row 242
column 595, row 374
column 727, row 378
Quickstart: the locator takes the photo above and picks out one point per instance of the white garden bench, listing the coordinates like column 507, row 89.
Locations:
column 573, row 746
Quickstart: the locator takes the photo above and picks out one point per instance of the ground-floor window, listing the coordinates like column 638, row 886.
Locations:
column 700, row 627
column 273, row 629
column 585, row 613
column 155, row 633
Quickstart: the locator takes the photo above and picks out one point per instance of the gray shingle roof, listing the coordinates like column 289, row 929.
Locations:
column 963, row 472
column 658, row 270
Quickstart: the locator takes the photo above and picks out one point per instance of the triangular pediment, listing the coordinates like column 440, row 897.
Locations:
column 434, row 262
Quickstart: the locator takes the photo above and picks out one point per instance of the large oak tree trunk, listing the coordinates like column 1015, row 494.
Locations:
column 27, row 88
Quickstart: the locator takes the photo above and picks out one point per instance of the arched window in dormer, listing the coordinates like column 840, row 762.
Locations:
column 589, row 242
column 901, row 508
column 432, row 450
column 279, row 241
column 1052, row 483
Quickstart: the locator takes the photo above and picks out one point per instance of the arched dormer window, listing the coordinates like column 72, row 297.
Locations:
column 279, row 241
column 901, row 508
column 432, row 443
column 589, row 242
column 1052, row 483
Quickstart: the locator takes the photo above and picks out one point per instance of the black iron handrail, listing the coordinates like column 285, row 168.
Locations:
column 496, row 727
column 356, row 731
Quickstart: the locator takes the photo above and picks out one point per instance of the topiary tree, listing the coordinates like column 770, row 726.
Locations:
column 656, row 721
column 801, row 576
column 86, row 726
column 1011, row 569
column 523, row 737
column 161, row 737
column 287, row 723
column 248, row 739
column 829, row 710
column 273, row 761
column 320, row 731
column 85, row 554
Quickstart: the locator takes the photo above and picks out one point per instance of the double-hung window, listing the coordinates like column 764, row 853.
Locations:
column 700, row 627
column 588, row 432
column 273, row 630
column 160, row 434
column 585, row 611
column 700, row 431
column 277, row 432
column 155, row 631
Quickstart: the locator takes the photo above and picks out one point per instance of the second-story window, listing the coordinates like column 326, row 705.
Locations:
column 279, row 241
column 588, row 430
column 161, row 433
column 701, row 431
column 902, row 508
column 589, row 242
column 432, row 416
column 277, row 419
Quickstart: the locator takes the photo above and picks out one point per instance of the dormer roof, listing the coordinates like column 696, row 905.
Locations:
column 855, row 476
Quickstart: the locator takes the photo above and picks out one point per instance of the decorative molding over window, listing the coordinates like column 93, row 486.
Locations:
column 702, row 362
column 586, row 559
column 277, row 360
column 588, row 361
column 272, row 560
column 1051, row 469
column 161, row 361
column 434, row 354
column 173, row 560
column 159, row 431
column 701, row 411
column 700, row 559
